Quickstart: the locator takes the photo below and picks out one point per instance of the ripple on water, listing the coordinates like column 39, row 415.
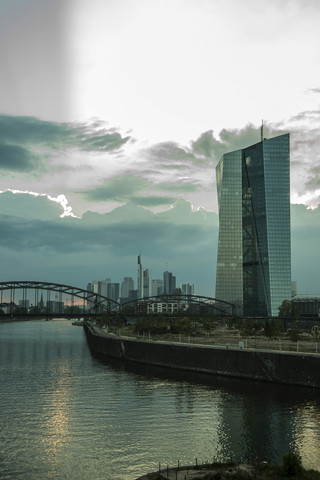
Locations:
column 64, row 414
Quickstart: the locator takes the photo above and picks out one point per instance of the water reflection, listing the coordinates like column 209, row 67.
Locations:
column 55, row 426
column 306, row 433
column 244, row 420
column 66, row 414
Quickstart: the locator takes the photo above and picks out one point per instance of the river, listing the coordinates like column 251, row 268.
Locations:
column 66, row 414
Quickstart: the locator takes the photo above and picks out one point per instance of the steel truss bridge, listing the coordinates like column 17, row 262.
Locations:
column 194, row 303
column 92, row 303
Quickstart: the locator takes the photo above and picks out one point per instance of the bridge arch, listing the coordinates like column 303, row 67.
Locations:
column 213, row 304
column 99, row 302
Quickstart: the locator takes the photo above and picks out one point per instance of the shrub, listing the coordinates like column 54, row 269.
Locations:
column 292, row 464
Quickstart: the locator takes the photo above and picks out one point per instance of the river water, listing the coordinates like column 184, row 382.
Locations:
column 66, row 414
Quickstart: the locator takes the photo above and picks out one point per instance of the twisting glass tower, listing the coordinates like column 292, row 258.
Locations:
column 254, row 249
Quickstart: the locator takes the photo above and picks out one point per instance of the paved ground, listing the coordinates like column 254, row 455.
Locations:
column 221, row 337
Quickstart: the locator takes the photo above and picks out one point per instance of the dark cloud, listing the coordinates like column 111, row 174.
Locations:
column 181, row 187
column 153, row 201
column 235, row 139
column 121, row 188
column 74, row 251
column 305, row 234
column 128, row 188
column 121, row 232
column 105, row 142
column 306, row 115
column 169, row 153
column 205, row 145
column 29, row 207
column 24, row 140
column 32, row 131
column 314, row 182
column 206, row 150
column 14, row 157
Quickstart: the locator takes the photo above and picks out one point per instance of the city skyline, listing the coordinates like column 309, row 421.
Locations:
column 144, row 285
column 109, row 142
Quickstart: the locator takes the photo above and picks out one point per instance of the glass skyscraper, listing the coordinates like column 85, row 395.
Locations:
column 254, row 249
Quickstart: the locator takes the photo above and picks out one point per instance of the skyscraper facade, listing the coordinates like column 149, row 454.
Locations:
column 169, row 282
column 157, row 287
column 146, row 283
column 254, row 247
column 140, row 278
column 126, row 286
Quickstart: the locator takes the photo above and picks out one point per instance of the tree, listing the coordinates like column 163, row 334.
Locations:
column 292, row 464
column 267, row 329
column 289, row 308
column 247, row 327
column 294, row 334
column 315, row 332
column 185, row 325
column 272, row 329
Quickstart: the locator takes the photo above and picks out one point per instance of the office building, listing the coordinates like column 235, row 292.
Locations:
column 24, row 303
column 157, row 287
column 254, row 247
column 146, row 283
column 100, row 287
column 113, row 291
column 187, row 288
column 140, row 278
column 126, row 286
column 55, row 306
column 169, row 282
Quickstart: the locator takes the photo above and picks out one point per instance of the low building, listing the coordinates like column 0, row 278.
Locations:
column 160, row 307
column 308, row 306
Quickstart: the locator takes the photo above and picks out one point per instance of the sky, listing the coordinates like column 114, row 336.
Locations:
column 114, row 114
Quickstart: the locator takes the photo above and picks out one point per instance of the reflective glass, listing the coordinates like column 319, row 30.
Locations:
column 254, row 251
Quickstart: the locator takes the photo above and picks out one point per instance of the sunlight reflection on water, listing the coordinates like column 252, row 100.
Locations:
column 65, row 414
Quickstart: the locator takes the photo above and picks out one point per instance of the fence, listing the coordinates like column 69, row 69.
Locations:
column 306, row 344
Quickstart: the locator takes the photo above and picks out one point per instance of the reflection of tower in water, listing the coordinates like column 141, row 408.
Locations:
column 261, row 411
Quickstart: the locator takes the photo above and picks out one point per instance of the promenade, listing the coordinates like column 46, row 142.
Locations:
column 225, row 338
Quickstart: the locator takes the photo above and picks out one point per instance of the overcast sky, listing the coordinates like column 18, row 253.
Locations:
column 114, row 114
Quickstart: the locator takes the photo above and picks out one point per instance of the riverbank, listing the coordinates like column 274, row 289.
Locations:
column 232, row 471
column 292, row 368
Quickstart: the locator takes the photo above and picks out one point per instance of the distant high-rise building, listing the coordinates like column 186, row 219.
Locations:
column 113, row 291
column 254, row 249
column 146, row 283
column 169, row 282
column 157, row 287
column 187, row 288
column 99, row 286
column 24, row 303
column 41, row 303
column 126, row 286
column 103, row 287
column 140, row 278
column 55, row 306
column 95, row 286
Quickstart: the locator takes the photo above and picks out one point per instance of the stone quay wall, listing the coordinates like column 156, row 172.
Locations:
column 263, row 365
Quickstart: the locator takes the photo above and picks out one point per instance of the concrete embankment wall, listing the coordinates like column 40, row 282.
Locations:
column 269, row 366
